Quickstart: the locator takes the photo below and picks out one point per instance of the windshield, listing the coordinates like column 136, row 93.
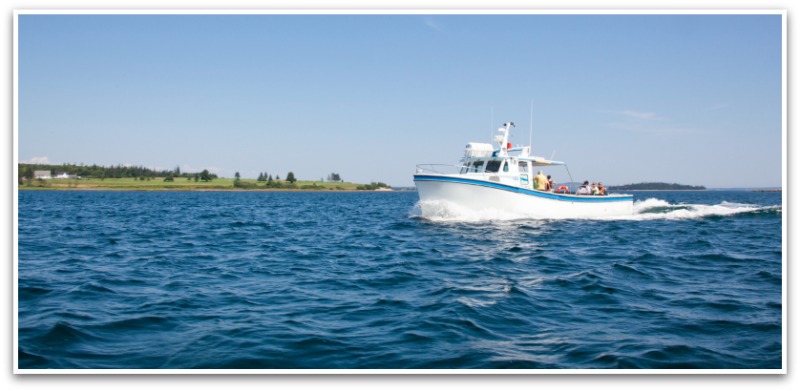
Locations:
column 493, row 165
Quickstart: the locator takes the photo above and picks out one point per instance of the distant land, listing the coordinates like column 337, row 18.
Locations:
column 751, row 189
column 218, row 184
column 81, row 177
column 656, row 186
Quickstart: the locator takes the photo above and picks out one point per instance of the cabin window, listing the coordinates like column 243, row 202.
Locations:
column 477, row 165
column 523, row 167
column 505, row 166
column 493, row 165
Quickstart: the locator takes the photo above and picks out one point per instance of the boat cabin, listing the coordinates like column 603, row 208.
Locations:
column 507, row 165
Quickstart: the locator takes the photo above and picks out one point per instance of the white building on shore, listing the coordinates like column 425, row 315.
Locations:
column 64, row 175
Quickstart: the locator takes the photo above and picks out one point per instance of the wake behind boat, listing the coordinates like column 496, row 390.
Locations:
column 502, row 179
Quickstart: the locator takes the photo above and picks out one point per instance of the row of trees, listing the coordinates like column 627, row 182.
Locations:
column 264, row 177
column 289, row 182
column 119, row 171
column 373, row 186
column 657, row 186
column 204, row 176
column 270, row 182
column 26, row 171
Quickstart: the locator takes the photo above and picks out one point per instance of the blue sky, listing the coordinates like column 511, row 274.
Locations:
column 693, row 99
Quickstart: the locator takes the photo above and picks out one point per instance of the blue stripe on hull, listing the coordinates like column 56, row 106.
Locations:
column 500, row 186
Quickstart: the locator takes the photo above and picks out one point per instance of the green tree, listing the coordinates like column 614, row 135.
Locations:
column 205, row 176
column 290, row 178
column 373, row 186
column 26, row 174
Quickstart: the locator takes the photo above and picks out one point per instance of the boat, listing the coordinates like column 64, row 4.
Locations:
column 501, row 179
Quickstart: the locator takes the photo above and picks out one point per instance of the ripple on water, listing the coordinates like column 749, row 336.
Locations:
column 360, row 280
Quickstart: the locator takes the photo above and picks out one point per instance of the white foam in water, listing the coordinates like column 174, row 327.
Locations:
column 649, row 203
column 655, row 209
column 649, row 209
column 445, row 211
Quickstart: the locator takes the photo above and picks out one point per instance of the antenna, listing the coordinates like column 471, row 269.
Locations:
column 530, row 131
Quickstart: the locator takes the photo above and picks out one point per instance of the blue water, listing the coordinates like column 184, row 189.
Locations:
column 157, row 280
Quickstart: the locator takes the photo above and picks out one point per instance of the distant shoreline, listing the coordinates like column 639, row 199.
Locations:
column 731, row 189
column 263, row 190
column 652, row 190
column 217, row 184
column 238, row 190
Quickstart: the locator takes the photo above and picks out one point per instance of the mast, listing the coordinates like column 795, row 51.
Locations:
column 503, row 140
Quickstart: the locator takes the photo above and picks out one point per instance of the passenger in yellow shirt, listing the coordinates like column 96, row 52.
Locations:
column 540, row 181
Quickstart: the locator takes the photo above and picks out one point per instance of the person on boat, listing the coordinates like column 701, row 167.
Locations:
column 584, row 189
column 551, row 184
column 541, row 181
column 595, row 190
column 601, row 189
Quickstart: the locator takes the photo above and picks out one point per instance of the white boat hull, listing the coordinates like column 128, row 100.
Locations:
column 482, row 196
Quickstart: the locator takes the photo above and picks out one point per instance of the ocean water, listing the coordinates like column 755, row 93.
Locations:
column 245, row 280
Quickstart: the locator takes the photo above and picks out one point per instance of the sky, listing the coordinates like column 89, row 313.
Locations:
column 690, row 99
column 719, row 80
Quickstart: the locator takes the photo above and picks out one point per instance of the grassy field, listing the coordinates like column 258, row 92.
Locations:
column 180, row 184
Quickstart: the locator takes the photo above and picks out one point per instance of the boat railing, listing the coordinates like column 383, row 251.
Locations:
column 447, row 169
column 455, row 169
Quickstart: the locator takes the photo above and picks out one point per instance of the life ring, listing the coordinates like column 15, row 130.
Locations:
column 563, row 189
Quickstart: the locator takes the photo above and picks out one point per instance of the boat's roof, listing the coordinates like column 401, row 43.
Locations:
column 482, row 150
column 540, row 161
column 535, row 160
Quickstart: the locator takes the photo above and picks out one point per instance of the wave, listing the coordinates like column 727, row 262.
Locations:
column 643, row 210
column 656, row 209
column 445, row 211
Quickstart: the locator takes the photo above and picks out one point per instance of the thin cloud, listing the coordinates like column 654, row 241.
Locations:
column 633, row 115
column 432, row 23
column 649, row 128
column 38, row 160
column 639, row 115
column 645, row 122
